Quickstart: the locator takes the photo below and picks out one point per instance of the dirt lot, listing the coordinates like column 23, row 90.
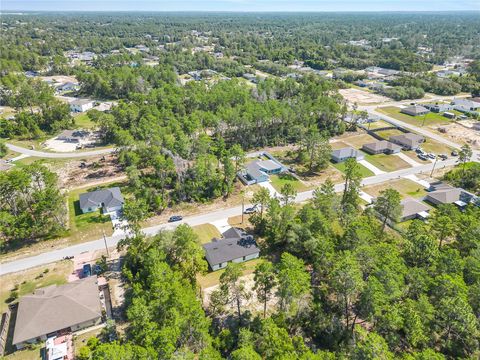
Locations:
column 362, row 97
column 96, row 171
column 460, row 132
column 59, row 78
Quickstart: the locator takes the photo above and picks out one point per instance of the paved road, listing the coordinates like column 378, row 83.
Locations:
column 52, row 155
column 58, row 254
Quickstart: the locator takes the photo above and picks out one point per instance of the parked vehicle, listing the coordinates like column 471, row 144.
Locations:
column 97, row 269
column 175, row 218
column 250, row 210
column 419, row 151
column 454, row 153
column 422, row 157
column 87, row 270
column 431, row 156
column 443, row 156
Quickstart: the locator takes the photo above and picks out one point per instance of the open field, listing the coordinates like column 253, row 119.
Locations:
column 338, row 145
column 280, row 180
column 363, row 170
column 436, row 147
column 405, row 187
column 377, row 125
column 357, row 141
column 355, row 95
column 83, row 121
column 206, row 232
column 387, row 163
column 29, row 280
column 460, row 132
column 213, row 278
column 387, row 133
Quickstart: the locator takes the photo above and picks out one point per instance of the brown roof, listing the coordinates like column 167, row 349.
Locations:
column 381, row 146
column 445, row 196
column 407, row 139
column 55, row 307
column 412, row 206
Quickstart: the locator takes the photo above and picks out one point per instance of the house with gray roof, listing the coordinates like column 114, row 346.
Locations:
column 413, row 209
column 448, row 195
column 108, row 200
column 235, row 246
column 81, row 105
column 408, row 141
column 73, row 306
column 438, row 108
column 381, row 147
column 415, row 110
column 340, row 155
column 74, row 136
column 259, row 170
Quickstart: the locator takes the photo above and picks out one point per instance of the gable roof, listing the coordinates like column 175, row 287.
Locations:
column 55, row 307
column 268, row 164
column 346, row 152
column 108, row 197
column 415, row 109
column 407, row 139
column 445, row 196
column 81, row 102
column 381, row 146
column 224, row 250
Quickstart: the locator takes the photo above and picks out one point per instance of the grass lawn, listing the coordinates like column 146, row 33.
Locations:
column 29, row 280
column 213, row 278
column 27, row 354
column 387, row 133
column 89, row 226
column 357, row 141
column 338, row 145
column 430, row 119
column 406, row 188
column 206, row 232
column 435, row 147
column 377, row 125
column 83, row 121
column 278, row 181
column 387, row 163
column 363, row 170
column 81, row 340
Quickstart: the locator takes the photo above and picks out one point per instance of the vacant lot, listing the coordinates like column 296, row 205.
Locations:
column 387, row 133
column 363, row 170
column 357, row 141
column 430, row 119
column 27, row 281
column 405, row 187
column 387, row 163
column 206, row 232
column 377, row 125
column 338, row 145
column 435, row 147
column 358, row 96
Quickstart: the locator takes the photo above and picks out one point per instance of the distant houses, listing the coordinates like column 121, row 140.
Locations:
column 408, row 141
column 343, row 154
column 109, row 200
column 466, row 106
column 235, row 246
column 381, row 147
column 415, row 110
column 438, row 108
column 259, row 170
column 81, row 105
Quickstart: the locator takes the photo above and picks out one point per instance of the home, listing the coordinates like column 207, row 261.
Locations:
column 449, row 115
column 444, row 195
column 343, row 154
column 381, row 147
column 259, row 170
column 415, row 110
column 108, row 200
column 466, row 106
column 81, row 105
column 408, row 141
column 438, row 108
column 72, row 307
column 250, row 77
column 73, row 136
column 68, row 86
column 413, row 209
column 235, row 246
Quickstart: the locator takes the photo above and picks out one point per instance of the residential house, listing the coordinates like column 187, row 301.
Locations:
column 413, row 209
column 445, row 195
column 438, row 108
column 235, row 246
column 408, row 141
column 343, row 154
column 259, row 170
column 72, row 307
column 415, row 110
column 381, row 147
column 449, row 115
column 466, row 106
column 81, row 105
column 108, row 200
column 73, row 136
column 68, row 86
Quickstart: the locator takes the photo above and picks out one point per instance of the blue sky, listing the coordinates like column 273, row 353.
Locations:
column 239, row 5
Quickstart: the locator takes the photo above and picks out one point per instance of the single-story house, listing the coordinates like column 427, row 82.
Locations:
column 72, row 307
column 235, row 246
column 444, row 196
column 449, row 115
column 343, row 154
column 413, row 209
column 68, row 86
column 381, row 147
column 81, row 105
column 438, row 108
column 415, row 110
column 408, row 141
column 259, row 170
column 74, row 136
column 466, row 106
column 108, row 199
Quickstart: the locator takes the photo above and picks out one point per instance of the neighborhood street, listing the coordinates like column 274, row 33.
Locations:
column 52, row 155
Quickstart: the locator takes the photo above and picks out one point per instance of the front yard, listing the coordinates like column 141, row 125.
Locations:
column 430, row 119
column 387, row 163
column 280, row 180
column 406, row 188
column 363, row 170
column 206, row 232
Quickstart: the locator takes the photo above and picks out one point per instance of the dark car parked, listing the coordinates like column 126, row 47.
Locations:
column 175, row 218
column 87, row 270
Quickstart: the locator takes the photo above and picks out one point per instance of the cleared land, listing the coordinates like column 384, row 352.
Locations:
column 213, row 278
column 354, row 95
column 280, row 180
column 357, row 141
column 406, row 188
column 387, row 163
column 430, row 119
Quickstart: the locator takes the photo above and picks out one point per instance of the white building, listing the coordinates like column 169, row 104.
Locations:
column 81, row 105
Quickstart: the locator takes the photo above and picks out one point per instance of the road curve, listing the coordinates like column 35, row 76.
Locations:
column 52, row 155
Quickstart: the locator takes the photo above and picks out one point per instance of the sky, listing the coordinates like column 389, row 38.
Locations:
column 239, row 5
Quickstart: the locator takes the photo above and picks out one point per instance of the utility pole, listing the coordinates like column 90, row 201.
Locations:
column 105, row 241
column 435, row 163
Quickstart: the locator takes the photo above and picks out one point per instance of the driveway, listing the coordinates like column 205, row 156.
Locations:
column 120, row 225
column 371, row 167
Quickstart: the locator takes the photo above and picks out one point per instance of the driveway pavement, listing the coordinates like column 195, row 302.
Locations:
column 371, row 167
